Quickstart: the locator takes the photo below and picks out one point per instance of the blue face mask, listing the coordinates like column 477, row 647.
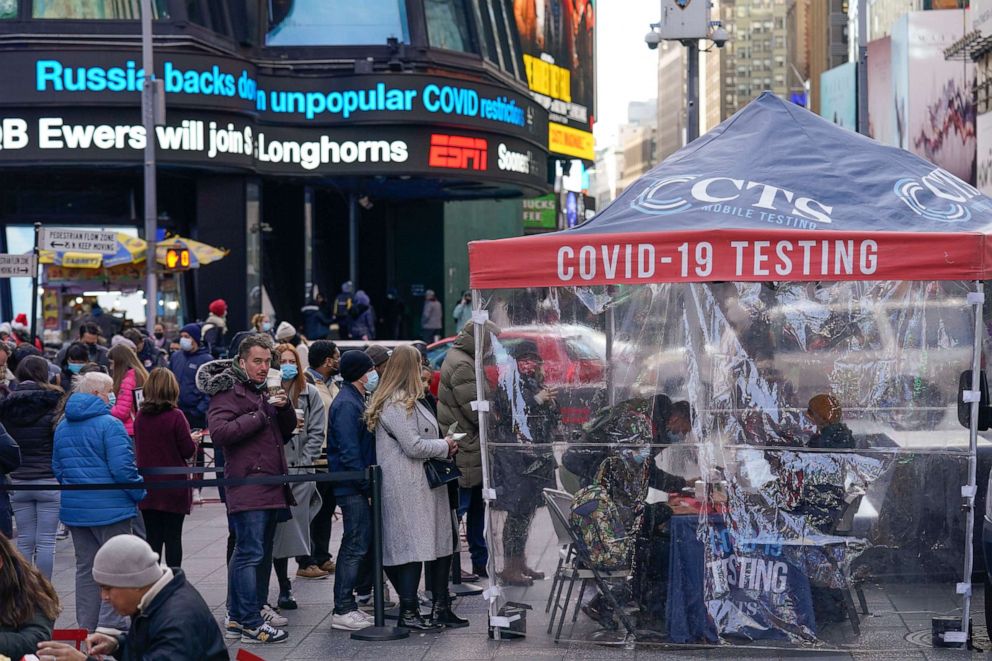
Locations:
column 186, row 343
column 289, row 372
column 267, row 326
column 373, row 381
column 74, row 367
column 112, row 398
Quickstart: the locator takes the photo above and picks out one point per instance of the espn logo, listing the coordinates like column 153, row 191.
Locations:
column 458, row 152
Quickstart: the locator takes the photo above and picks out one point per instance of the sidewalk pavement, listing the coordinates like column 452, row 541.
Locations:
column 311, row 636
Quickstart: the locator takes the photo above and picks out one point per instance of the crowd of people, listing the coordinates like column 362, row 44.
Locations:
column 142, row 407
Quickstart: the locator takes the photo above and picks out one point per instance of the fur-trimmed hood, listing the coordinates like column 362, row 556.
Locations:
column 216, row 376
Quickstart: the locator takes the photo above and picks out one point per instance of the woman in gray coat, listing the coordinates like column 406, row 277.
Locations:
column 293, row 536
column 416, row 520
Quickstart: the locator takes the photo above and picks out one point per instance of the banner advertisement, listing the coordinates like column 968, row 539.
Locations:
column 540, row 214
column 838, row 95
column 558, row 43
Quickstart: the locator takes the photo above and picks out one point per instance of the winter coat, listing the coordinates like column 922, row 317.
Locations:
column 455, row 394
column 293, row 536
column 177, row 624
column 316, row 322
column 213, row 334
column 350, row 444
column 27, row 414
column 10, row 458
column 91, row 447
column 362, row 313
column 432, row 315
column 416, row 520
column 832, row 437
column 124, row 409
column 163, row 440
column 192, row 401
column 327, row 390
column 16, row 642
column 251, row 433
column 524, row 465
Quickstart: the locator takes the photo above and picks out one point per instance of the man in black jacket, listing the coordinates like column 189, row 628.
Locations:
column 169, row 619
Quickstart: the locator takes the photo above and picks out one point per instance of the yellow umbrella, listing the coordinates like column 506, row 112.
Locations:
column 131, row 250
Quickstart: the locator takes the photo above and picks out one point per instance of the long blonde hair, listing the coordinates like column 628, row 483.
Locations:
column 400, row 382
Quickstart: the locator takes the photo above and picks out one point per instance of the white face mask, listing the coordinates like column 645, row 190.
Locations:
column 371, row 381
column 186, row 343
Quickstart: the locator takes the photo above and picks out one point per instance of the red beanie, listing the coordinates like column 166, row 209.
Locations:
column 218, row 307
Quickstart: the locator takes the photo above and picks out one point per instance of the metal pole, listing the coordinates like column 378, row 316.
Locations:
column 380, row 631
column 151, row 194
column 692, row 91
column 308, row 243
column 353, row 240
column 862, row 67
column 611, row 329
column 34, row 283
column 969, row 549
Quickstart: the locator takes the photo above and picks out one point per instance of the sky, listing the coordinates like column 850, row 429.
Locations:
column 626, row 70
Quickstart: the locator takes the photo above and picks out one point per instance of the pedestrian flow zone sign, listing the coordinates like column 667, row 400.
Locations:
column 77, row 240
column 16, row 266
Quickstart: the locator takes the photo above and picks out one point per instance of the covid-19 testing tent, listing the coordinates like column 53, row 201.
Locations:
column 725, row 411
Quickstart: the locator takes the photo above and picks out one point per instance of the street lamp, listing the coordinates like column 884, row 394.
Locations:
column 688, row 33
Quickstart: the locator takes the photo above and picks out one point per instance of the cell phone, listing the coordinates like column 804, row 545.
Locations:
column 459, row 436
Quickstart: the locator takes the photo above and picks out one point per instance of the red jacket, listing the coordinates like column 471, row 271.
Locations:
column 251, row 433
column 163, row 439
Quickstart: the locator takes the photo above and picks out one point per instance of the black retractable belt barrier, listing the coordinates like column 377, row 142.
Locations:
column 380, row 631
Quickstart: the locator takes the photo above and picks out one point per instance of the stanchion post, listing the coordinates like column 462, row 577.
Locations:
column 457, row 588
column 380, row 631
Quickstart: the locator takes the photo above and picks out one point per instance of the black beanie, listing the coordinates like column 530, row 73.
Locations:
column 354, row 365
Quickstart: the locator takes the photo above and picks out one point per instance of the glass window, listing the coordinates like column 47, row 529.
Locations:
column 336, row 22
column 448, row 25
column 93, row 9
column 8, row 9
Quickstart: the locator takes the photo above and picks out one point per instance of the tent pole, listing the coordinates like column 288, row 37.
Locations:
column 969, row 551
column 610, row 377
column 480, row 396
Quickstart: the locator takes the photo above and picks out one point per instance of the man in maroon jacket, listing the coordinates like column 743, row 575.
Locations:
column 251, row 425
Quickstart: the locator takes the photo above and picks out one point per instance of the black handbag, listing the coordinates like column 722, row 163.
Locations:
column 440, row 471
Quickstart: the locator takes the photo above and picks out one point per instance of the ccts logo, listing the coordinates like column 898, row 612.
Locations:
column 673, row 195
column 940, row 196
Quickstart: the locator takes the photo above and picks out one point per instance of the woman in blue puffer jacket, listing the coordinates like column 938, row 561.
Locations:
column 92, row 447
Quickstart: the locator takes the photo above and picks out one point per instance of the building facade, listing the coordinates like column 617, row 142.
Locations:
column 316, row 142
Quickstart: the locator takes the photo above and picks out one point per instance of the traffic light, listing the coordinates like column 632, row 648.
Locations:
column 177, row 259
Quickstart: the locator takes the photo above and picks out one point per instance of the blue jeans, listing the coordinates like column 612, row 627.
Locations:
column 472, row 504
column 353, row 567
column 37, row 516
column 250, row 566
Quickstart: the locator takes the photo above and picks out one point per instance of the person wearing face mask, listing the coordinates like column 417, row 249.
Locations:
column 158, row 335
column 73, row 359
column 293, row 537
column 184, row 363
column 527, row 417
column 92, row 446
column 251, row 425
column 351, row 447
column 89, row 336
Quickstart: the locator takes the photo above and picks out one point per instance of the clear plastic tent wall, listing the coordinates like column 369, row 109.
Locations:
column 760, row 464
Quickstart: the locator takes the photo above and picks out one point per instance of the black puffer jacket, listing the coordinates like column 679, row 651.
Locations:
column 27, row 415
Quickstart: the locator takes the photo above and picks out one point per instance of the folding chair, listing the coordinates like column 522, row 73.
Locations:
column 579, row 566
column 845, row 528
column 73, row 636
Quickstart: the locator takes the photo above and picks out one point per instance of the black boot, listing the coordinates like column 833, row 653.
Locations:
column 442, row 614
column 410, row 617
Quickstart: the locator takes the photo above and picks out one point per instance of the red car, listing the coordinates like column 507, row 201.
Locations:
column 574, row 361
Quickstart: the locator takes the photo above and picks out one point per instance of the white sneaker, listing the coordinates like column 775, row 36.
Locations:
column 353, row 621
column 270, row 616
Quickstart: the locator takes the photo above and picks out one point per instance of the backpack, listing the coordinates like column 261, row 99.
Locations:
column 596, row 519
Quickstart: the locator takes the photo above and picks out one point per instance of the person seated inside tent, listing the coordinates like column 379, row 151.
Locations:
column 825, row 412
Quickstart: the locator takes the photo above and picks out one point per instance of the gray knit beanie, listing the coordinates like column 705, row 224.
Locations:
column 126, row 561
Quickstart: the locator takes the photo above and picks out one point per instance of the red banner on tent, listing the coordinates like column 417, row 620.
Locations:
column 567, row 259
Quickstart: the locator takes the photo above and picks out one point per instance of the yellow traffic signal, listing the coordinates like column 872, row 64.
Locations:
column 177, row 259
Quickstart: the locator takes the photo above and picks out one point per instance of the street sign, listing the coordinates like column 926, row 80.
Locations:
column 67, row 238
column 17, row 266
